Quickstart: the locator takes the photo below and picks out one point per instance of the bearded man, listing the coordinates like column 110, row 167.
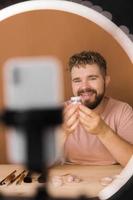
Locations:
column 99, row 130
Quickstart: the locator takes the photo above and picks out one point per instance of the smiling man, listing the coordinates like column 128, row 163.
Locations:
column 99, row 130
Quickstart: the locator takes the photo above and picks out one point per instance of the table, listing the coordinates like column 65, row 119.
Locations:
column 89, row 186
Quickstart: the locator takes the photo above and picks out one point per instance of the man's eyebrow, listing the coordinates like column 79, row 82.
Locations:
column 93, row 75
column 76, row 79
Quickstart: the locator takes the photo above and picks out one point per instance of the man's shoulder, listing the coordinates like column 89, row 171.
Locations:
column 118, row 104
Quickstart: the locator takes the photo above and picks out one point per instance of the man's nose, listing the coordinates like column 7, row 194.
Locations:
column 85, row 84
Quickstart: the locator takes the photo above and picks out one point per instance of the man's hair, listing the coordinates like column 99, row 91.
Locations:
column 88, row 57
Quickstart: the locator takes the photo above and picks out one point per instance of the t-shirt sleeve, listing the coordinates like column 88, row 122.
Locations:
column 125, row 125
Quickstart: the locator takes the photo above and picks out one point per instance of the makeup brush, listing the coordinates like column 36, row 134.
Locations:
column 17, row 177
column 8, row 178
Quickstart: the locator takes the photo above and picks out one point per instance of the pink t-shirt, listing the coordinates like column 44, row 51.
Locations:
column 84, row 148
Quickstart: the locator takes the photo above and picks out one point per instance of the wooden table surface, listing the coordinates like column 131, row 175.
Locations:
column 89, row 186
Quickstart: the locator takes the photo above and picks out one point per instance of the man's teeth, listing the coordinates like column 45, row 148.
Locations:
column 87, row 93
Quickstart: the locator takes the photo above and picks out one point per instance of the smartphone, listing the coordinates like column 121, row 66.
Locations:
column 32, row 83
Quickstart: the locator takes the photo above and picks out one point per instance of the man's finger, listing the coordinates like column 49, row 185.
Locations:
column 87, row 111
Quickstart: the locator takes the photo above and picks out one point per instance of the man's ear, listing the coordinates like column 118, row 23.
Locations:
column 107, row 80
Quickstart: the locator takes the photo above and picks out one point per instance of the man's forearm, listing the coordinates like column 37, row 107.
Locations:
column 120, row 149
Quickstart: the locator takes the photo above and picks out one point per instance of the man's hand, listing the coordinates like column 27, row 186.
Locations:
column 91, row 121
column 70, row 118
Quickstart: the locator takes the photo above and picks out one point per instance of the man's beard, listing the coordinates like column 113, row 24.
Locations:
column 97, row 100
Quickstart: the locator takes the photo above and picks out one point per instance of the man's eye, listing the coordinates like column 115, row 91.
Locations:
column 93, row 78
